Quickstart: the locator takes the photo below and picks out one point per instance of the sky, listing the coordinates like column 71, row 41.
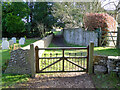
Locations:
column 109, row 6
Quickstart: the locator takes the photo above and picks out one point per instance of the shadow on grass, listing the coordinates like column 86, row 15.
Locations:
column 9, row 80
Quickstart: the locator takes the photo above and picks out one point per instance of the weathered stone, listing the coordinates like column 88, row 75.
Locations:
column 100, row 60
column 79, row 36
column 99, row 69
column 5, row 44
column 19, row 64
column 21, row 41
column 3, row 39
column 14, row 39
column 11, row 42
column 23, row 38
column 113, row 63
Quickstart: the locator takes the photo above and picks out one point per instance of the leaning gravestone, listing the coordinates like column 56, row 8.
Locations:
column 11, row 42
column 5, row 44
column 14, row 39
column 23, row 39
column 21, row 42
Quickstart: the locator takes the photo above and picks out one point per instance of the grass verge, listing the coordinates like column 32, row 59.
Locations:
column 106, row 81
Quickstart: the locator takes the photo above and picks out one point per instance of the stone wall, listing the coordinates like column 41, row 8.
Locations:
column 19, row 64
column 41, row 44
column 106, row 64
column 20, row 59
column 79, row 36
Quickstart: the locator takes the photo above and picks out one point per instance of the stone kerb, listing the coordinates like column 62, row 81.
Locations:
column 21, row 60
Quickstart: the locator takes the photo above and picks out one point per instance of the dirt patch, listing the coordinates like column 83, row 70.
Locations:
column 60, row 80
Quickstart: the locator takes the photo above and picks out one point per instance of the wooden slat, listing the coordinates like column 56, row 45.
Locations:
column 108, row 36
column 61, row 57
column 60, row 71
column 74, row 63
column 51, row 64
column 63, row 48
column 109, row 32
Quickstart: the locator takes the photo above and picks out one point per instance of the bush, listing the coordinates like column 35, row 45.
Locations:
column 92, row 21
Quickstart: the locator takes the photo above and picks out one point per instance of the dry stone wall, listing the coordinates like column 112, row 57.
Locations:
column 19, row 64
column 106, row 64
column 20, row 59
column 79, row 36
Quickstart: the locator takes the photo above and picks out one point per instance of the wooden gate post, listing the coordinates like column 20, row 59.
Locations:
column 37, row 58
column 32, row 60
column 91, row 51
column 118, row 38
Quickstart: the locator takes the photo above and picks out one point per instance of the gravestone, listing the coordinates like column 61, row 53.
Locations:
column 3, row 39
column 23, row 39
column 14, row 39
column 5, row 44
column 21, row 42
column 11, row 42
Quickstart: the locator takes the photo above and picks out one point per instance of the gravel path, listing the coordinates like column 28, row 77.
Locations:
column 59, row 80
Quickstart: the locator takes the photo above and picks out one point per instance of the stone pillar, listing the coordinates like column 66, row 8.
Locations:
column 118, row 38
column 32, row 60
column 90, row 63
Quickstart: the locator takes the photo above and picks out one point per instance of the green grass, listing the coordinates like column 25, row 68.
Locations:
column 107, row 51
column 57, row 32
column 8, row 80
column 106, row 81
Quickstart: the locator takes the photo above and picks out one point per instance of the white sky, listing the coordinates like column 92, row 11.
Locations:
column 109, row 6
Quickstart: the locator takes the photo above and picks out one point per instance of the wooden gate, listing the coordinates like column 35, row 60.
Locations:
column 107, row 38
column 62, row 59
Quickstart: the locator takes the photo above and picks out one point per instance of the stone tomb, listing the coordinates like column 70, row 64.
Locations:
column 21, row 41
column 5, row 44
column 11, row 42
column 14, row 39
